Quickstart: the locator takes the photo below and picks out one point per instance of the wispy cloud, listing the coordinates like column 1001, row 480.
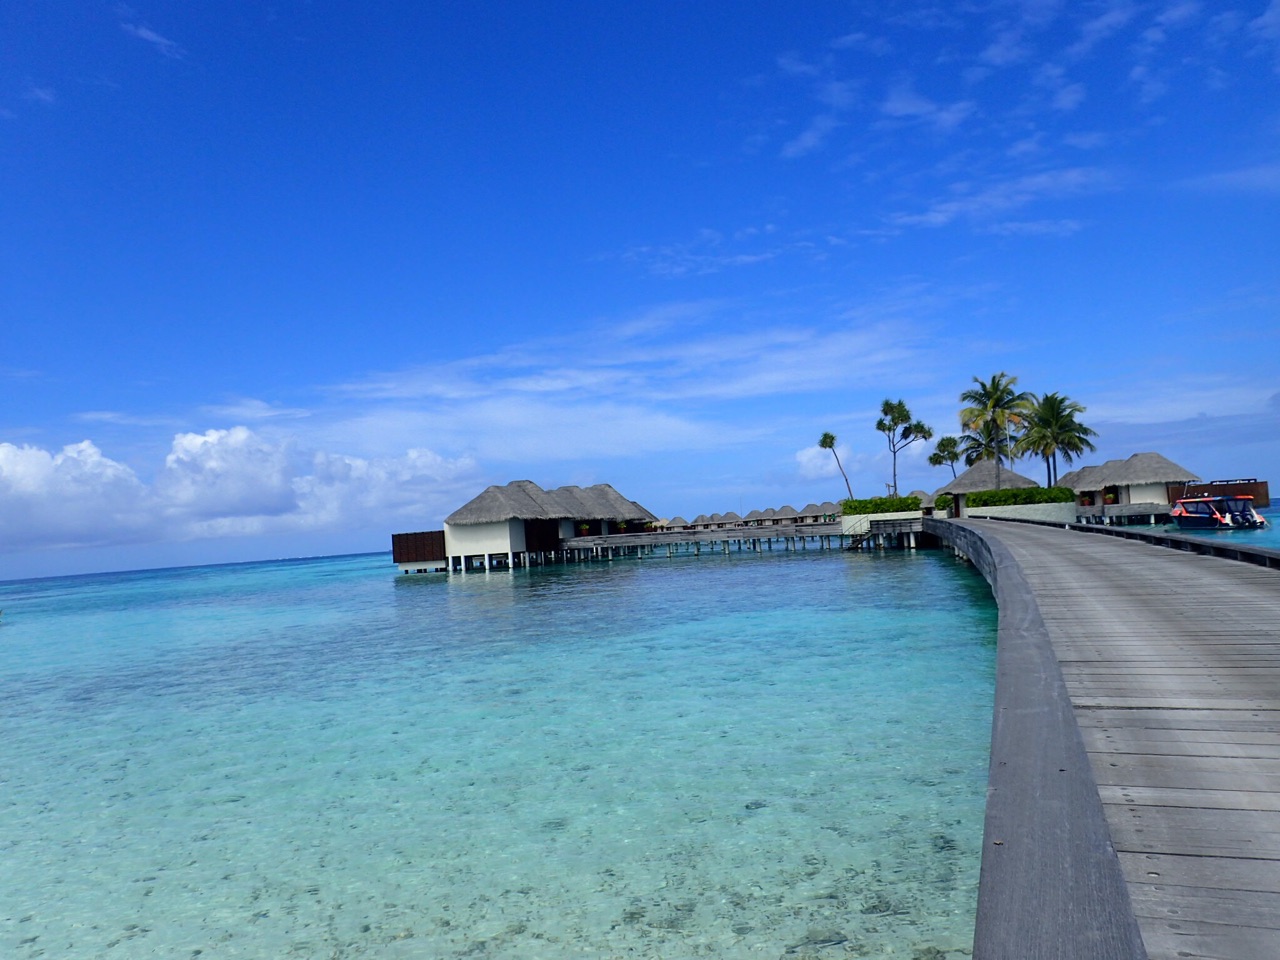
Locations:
column 1035, row 228
column 813, row 138
column 1261, row 179
column 44, row 95
column 903, row 102
column 162, row 45
column 126, row 419
column 1102, row 27
column 710, row 251
column 1002, row 197
column 863, row 43
column 249, row 409
column 1267, row 25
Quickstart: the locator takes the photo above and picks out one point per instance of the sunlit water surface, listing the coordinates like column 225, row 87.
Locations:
column 724, row 757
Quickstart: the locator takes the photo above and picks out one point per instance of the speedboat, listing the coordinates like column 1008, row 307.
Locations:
column 1217, row 513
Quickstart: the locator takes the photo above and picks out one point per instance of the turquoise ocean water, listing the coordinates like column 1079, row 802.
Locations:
column 721, row 757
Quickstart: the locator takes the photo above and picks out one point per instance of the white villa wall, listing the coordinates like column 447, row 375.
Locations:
column 472, row 539
column 1049, row 512
column 1148, row 493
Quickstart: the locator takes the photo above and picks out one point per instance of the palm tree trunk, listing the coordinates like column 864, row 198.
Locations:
column 1000, row 435
column 842, row 473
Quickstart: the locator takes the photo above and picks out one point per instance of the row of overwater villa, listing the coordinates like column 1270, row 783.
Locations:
column 828, row 512
column 520, row 524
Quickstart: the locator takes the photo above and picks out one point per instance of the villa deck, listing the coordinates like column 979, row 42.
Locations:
column 1169, row 664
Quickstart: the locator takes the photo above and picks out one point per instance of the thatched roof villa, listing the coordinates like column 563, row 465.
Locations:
column 982, row 476
column 519, row 518
column 1142, row 478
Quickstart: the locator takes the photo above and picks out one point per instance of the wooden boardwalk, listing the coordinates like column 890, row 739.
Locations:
column 1171, row 662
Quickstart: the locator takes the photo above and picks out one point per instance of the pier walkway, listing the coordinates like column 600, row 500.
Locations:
column 1169, row 664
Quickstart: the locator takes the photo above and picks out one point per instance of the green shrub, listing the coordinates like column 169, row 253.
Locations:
column 853, row 508
column 1017, row 498
column 942, row 503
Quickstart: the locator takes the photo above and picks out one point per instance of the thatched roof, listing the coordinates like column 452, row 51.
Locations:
column 731, row 517
column 926, row 499
column 754, row 515
column 982, row 476
column 676, row 522
column 785, row 513
column 830, row 507
column 811, row 510
column 1138, row 469
column 525, row 500
column 700, row 519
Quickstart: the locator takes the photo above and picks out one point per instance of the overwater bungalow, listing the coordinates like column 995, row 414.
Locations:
column 810, row 513
column 1144, row 478
column 505, row 524
column 983, row 475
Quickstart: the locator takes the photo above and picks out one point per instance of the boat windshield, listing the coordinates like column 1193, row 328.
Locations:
column 1201, row 507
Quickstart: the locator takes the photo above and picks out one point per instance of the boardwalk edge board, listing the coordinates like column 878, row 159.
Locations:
column 1051, row 884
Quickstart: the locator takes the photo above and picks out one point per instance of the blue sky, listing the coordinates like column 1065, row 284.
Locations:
column 280, row 280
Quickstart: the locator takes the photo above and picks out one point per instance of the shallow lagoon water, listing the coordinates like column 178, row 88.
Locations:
column 748, row 756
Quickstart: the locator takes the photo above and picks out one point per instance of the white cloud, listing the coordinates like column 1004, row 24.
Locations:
column 1267, row 25
column 216, row 484
column 904, row 102
column 1036, row 228
column 73, row 497
column 1260, row 179
column 125, row 419
column 812, row 138
column 163, row 45
column 45, row 95
column 864, row 43
column 1008, row 195
column 815, row 463
column 1102, row 27
column 252, row 409
column 1009, row 47
column 224, row 473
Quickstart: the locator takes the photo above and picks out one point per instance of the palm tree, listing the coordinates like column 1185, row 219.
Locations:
column 828, row 442
column 947, row 451
column 995, row 401
column 900, row 430
column 1052, row 429
column 981, row 444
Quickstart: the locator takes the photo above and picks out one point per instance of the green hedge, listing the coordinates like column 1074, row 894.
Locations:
column 854, row 508
column 942, row 503
column 1017, row 498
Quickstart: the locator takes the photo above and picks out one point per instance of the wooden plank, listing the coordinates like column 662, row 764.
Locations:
column 1250, row 907
column 1180, row 748
column 1140, row 731
column 1181, row 939
column 1186, row 831
column 1224, row 720
column 1182, row 797
column 1146, row 703
column 1219, row 873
